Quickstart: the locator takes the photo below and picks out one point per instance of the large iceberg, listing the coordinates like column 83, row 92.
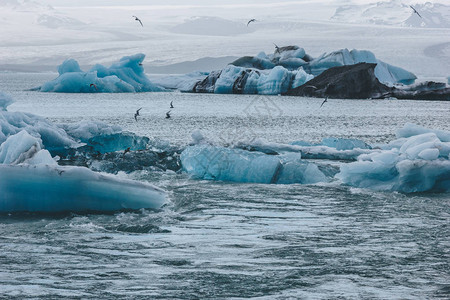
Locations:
column 294, row 57
column 32, row 181
column 236, row 165
column 44, row 188
column 417, row 162
column 289, row 68
column 385, row 73
column 125, row 76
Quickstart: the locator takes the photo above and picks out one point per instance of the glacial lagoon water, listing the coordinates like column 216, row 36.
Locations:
column 230, row 240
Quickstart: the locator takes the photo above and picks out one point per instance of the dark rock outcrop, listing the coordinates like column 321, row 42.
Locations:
column 349, row 82
column 207, row 84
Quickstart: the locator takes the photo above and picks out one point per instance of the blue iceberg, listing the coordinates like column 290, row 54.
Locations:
column 125, row 76
column 50, row 189
column 236, row 165
column 385, row 73
column 5, row 100
column 32, row 181
column 416, row 163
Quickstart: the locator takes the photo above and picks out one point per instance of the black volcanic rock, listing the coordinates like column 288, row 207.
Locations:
column 207, row 84
column 349, row 82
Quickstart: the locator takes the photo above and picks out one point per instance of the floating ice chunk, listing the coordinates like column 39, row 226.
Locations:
column 251, row 85
column 418, row 163
column 49, row 189
column 18, row 148
column 344, row 144
column 307, row 150
column 429, row 154
column 53, row 137
column 43, row 157
column 69, row 66
column 118, row 142
column 84, row 130
column 218, row 163
column 198, row 137
column 125, row 76
column 301, row 77
column 276, row 82
column 225, row 83
column 410, row 130
column 5, row 100
column 384, row 72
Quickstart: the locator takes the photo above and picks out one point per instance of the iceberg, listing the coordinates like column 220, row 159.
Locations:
column 49, row 189
column 5, row 100
column 32, row 181
column 416, row 163
column 236, row 165
column 54, row 138
column 349, row 149
column 23, row 148
column 384, row 72
column 125, row 76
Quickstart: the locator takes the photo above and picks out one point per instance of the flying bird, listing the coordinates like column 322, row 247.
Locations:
column 415, row 11
column 326, row 100
column 252, row 20
column 137, row 114
column 171, row 104
column 168, row 114
column 93, row 85
column 277, row 49
column 137, row 19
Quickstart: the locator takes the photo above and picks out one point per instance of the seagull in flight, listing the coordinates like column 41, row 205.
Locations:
column 137, row 114
column 277, row 49
column 93, row 85
column 171, row 104
column 252, row 20
column 415, row 11
column 326, row 100
column 168, row 114
column 137, row 19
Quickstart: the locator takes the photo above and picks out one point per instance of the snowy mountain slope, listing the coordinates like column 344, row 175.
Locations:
column 395, row 12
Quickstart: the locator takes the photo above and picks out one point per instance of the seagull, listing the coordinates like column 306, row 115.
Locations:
column 171, row 104
column 93, row 85
column 137, row 19
column 252, row 20
column 137, row 114
column 415, row 11
column 311, row 86
column 277, row 49
column 168, row 114
column 326, row 100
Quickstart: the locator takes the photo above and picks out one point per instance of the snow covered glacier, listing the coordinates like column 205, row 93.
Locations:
column 32, row 181
column 125, row 76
